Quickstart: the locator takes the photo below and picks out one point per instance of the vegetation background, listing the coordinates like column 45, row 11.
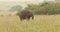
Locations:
column 47, row 19
column 49, row 8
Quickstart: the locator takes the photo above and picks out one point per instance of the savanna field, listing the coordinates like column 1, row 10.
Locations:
column 41, row 23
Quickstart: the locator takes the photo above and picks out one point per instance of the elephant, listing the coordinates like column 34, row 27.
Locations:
column 26, row 14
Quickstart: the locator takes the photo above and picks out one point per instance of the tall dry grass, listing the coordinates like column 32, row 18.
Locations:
column 41, row 23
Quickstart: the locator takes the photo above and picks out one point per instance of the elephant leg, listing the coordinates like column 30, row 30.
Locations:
column 20, row 18
column 32, row 17
column 28, row 17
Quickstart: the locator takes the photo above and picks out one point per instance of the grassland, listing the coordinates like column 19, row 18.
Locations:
column 41, row 23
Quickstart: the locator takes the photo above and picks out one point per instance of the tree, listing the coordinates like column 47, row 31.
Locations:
column 45, row 8
column 15, row 8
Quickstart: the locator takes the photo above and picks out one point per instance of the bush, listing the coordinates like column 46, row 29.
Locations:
column 49, row 8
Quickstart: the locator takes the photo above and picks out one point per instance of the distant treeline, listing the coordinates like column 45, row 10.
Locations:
column 46, row 8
